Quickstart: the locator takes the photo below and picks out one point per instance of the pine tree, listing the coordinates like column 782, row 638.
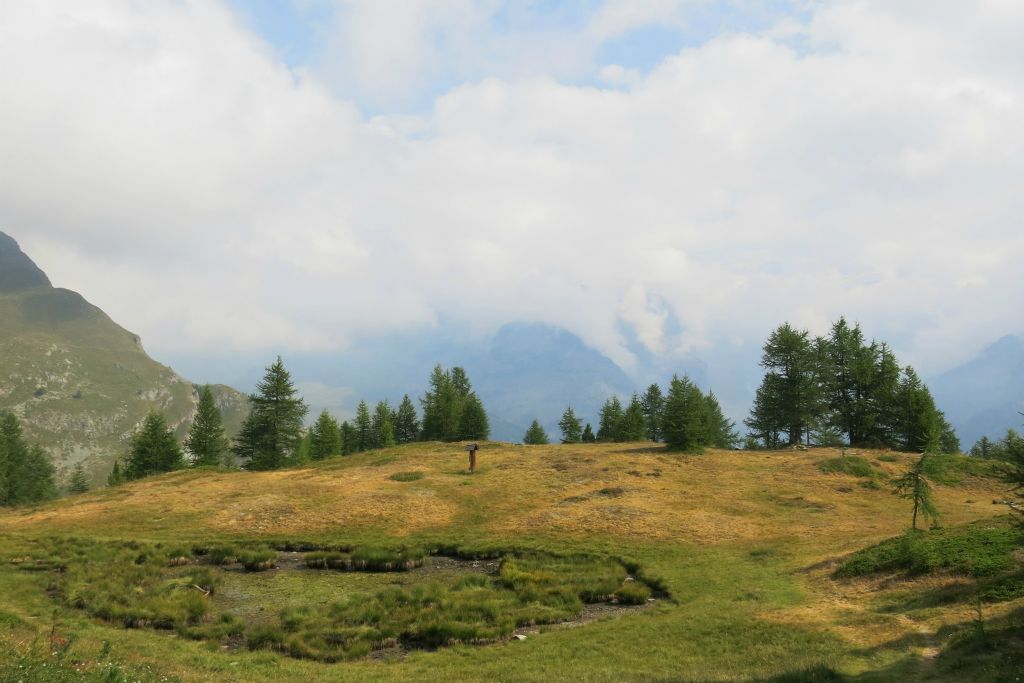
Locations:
column 79, row 482
column 766, row 420
column 588, row 435
column 363, row 428
column 913, row 485
column 653, row 404
column 153, row 450
column 116, row 476
column 383, row 426
column 719, row 430
column 407, row 425
column 349, row 439
column 206, row 441
column 271, row 434
column 535, row 435
column 572, row 430
column 324, row 437
column 473, row 422
column 610, row 420
column 441, row 407
column 684, row 422
column 633, row 426
column 982, row 448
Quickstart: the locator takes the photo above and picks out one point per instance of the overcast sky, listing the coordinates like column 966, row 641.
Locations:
column 235, row 177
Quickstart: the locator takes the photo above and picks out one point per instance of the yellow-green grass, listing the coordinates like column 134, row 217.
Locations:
column 746, row 543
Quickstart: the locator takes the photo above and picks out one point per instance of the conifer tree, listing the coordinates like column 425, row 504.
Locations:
column 79, row 482
column 349, row 439
column 206, row 441
column 1014, row 476
column 440, row 407
column 588, row 435
column 383, row 426
column 473, row 422
column 572, row 430
column 791, row 383
column 407, row 424
column 919, row 428
column 535, row 435
column 154, row 449
column 653, row 404
column 913, row 485
column 720, row 431
column 633, row 426
column 610, row 420
column 982, row 448
column 27, row 474
column 324, row 437
column 363, row 428
column 271, row 434
column 116, row 476
column 684, row 422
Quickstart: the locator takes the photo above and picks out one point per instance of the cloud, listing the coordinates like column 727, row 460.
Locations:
column 159, row 158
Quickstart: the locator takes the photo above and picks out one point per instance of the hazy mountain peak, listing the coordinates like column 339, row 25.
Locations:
column 18, row 271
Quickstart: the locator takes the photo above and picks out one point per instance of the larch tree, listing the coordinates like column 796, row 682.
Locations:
column 633, row 426
column 324, row 437
column 610, row 420
column 913, row 486
column 473, row 422
column 363, row 428
column 383, row 425
column 154, row 449
column 653, row 404
column 116, row 476
column 26, row 473
column 684, row 422
column 271, row 434
column 535, row 435
column 588, row 434
column 789, row 360
column 720, row 431
column 79, row 481
column 349, row 439
column 407, row 424
column 572, row 430
column 206, row 441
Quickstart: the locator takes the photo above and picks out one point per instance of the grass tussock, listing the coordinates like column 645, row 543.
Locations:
column 853, row 465
column 406, row 476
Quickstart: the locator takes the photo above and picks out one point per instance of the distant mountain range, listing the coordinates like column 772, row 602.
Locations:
column 985, row 396
column 79, row 382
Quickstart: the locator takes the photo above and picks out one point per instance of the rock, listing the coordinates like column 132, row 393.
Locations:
column 519, row 636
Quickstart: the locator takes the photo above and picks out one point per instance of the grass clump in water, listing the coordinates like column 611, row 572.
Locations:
column 257, row 560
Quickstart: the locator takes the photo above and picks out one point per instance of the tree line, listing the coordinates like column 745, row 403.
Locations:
column 273, row 436
column 841, row 389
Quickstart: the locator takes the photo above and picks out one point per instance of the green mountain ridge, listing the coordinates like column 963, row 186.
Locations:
column 79, row 382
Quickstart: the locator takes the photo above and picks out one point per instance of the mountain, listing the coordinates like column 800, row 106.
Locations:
column 79, row 382
column 985, row 396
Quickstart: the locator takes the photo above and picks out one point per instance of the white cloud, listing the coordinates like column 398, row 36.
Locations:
column 159, row 159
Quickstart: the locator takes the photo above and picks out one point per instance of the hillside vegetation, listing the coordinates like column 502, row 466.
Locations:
column 739, row 552
column 79, row 383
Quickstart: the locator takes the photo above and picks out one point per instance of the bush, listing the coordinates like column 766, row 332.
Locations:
column 1004, row 589
column 975, row 550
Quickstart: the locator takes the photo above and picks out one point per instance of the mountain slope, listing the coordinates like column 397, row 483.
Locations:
column 79, row 382
column 984, row 397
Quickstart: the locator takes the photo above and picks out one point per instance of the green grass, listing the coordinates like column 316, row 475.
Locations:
column 406, row 476
column 854, row 465
column 951, row 470
column 980, row 549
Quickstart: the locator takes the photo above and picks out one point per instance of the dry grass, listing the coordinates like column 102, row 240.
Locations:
column 714, row 498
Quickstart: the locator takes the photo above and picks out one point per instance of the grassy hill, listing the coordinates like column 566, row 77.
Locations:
column 79, row 382
column 739, row 551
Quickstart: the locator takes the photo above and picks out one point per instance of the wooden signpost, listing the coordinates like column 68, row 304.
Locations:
column 472, row 448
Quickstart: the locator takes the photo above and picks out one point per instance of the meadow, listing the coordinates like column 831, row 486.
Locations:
column 583, row 562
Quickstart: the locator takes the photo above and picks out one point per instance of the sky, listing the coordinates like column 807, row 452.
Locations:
column 230, row 177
